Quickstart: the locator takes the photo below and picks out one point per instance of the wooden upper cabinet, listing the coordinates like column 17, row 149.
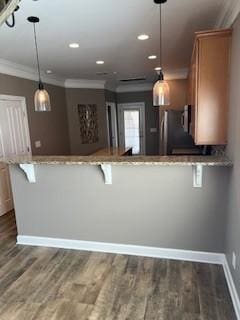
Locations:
column 209, row 87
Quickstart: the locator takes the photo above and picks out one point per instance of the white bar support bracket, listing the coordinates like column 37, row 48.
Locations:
column 197, row 176
column 29, row 171
column 107, row 172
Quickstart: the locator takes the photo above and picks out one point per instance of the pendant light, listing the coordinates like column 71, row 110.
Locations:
column 161, row 91
column 41, row 98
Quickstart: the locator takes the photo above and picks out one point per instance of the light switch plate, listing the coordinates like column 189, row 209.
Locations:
column 38, row 144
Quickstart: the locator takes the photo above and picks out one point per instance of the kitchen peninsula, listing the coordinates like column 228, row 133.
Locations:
column 69, row 204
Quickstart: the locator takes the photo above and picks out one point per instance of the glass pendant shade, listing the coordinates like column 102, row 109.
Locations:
column 42, row 100
column 161, row 94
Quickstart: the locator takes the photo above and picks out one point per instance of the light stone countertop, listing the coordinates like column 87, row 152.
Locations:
column 125, row 160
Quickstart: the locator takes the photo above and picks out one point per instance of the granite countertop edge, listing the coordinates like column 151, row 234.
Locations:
column 124, row 160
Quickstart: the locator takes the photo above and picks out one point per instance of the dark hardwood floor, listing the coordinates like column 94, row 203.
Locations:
column 51, row 284
column 8, row 226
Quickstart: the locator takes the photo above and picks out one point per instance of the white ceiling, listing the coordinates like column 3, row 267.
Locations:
column 107, row 30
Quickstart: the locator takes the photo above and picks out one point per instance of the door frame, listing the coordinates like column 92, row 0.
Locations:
column 135, row 106
column 114, row 121
column 22, row 100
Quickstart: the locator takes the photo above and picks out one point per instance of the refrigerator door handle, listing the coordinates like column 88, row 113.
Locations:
column 162, row 129
column 183, row 120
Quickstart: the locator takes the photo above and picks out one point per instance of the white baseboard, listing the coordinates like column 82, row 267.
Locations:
column 232, row 287
column 154, row 252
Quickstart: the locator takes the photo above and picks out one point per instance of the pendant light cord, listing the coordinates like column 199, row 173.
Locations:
column 160, row 51
column 36, row 46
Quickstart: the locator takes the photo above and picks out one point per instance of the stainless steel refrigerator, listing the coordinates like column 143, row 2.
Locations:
column 174, row 133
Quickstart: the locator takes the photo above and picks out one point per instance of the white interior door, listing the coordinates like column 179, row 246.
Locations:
column 112, row 125
column 132, row 127
column 14, row 141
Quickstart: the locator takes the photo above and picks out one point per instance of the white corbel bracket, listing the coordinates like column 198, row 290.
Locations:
column 197, row 176
column 29, row 170
column 107, row 172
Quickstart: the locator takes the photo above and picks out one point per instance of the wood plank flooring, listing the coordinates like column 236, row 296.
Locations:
column 52, row 284
column 8, row 226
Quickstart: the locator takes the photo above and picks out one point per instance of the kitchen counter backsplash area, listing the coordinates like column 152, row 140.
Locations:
column 219, row 151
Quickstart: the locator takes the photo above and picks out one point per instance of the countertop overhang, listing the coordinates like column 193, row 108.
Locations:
column 124, row 160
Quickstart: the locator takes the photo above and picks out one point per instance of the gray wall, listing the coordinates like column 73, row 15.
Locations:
column 51, row 128
column 86, row 96
column 233, row 225
column 146, row 205
column 151, row 117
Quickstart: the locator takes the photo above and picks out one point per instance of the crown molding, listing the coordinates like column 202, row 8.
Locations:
column 134, row 87
column 229, row 14
column 111, row 86
column 177, row 74
column 180, row 74
column 84, row 84
column 24, row 72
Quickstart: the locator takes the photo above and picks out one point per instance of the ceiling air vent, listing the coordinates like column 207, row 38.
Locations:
column 133, row 79
column 101, row 73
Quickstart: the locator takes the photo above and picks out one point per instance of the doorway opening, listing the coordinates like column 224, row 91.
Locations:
column 112, row 125
column 131, row 117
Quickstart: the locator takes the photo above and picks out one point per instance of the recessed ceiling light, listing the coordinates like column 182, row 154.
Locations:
column 158, row 68
column 100, row 62
column 153, row 57
column 49, row 72
column 74, row 45
column 143, row 37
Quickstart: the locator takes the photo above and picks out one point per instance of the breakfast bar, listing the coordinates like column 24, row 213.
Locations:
column 107, row 159
column 67, row 204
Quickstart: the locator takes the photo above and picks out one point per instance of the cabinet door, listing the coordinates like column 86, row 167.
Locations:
column 212, row 90
column 193, row 92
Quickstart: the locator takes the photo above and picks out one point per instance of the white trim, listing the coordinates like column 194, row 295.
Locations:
column 135, row 105
column 180, row 74
column 12, row 98
column 177, row 74
column 229, row 14
column 107, row 172
column 135, row 87
column 110, row 86
column 197, row 176
column 154, row 252
column 29, row 170
column 85, row 84
column 232, row 287
column 24, row 72
column 23, row 102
